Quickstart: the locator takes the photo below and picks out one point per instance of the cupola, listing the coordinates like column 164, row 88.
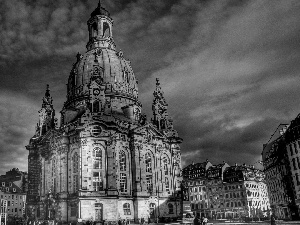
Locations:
column 100, row 29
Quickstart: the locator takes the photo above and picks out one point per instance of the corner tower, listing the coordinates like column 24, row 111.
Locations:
column 46, row 115
column 161, row 118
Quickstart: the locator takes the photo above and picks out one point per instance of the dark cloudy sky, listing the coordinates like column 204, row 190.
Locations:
column 229, row 68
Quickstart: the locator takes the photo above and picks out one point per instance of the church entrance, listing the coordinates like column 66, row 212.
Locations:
column 152, row 207
column 98, row 211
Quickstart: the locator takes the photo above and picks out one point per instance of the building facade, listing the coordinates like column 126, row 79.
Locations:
column 13, row 190
column 292, row 138
column 195, row 180
column 215, row 190
column 105, row 161
column 15, row 200
column 17, row 177
column 246, row 192
column 278, row 176
column 226, row 192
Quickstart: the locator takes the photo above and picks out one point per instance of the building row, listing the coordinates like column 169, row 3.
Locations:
column 223, row 191
column 13, row 192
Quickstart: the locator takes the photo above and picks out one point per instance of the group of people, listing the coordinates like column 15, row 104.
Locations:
column 200, row 221
column 123, row 222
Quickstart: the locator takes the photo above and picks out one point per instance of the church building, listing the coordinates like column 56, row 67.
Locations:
column 105, row 160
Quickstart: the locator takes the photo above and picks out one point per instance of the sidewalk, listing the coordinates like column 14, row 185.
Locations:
column 228, row 222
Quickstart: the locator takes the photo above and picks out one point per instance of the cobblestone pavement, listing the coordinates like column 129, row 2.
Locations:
column 242, row 223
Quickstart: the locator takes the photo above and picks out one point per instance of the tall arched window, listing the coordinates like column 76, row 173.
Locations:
column 97, row 164
column 171, row 208
column 165, row 164
column 148, row 162
column 54, row 175
column 75, row 160
column 53, row 167
column 95, row 29
column 126, row 209
column 122, row 160
column 106, row 30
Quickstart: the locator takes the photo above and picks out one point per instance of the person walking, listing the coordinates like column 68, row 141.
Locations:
column 273, row 220
column 197, row 221
column 204, row 221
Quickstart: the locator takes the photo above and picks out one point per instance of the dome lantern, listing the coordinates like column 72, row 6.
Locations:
column 100, row 29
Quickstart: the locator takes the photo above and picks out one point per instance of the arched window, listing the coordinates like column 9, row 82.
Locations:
column 122, row 160
column 148, row 161
column 53, row 167
column 96, row 130
column 95, row 29
column 75, row 160
column 97, row 158
column 167, row 185
column 106, row 30
column 54, row 175
column 126, row 208
column 166, row 162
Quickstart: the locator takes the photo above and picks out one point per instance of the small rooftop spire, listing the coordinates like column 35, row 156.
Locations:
column 100, row 11
column 157, row 82
column 47, row 94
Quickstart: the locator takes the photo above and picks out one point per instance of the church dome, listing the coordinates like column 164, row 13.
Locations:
column 102, row 63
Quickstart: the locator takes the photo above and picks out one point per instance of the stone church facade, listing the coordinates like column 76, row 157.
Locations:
column 105, row 161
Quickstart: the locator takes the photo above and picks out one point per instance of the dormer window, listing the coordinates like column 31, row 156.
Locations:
column 3, row 184
column 96, row 130
column 10, row 184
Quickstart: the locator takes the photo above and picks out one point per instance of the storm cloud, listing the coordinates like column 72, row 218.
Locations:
column 229, row 68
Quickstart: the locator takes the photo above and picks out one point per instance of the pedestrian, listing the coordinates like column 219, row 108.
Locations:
column 142, row 220
column 273, row 219
column 197, row 221
column 204, row 221
column 119, row 222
